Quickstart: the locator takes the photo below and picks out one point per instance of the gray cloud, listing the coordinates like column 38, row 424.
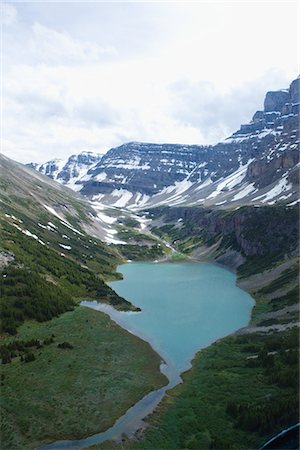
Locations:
column 96, row 112
column 217, row 114
column 37, row 106
column 137, row 71
column 8, row 14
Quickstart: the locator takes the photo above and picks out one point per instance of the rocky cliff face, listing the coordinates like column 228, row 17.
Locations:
column 144, row 167
column 248, row 231
column 258, row 165
column 68, row 171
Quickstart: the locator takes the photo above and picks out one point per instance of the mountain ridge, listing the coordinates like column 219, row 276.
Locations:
column 48, row 228
column 256, row 165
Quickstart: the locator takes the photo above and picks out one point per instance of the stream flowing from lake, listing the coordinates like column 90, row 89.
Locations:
column 185, row 307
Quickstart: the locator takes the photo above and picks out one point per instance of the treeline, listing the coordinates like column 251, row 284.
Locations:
column 20, row 348
column 32, row 254
column 25, row 294
column 278, row 358
column 106, row 294
column 24, row 350
column 241, row 390
column 263, row 418
column 140, row 252
column 83, row 248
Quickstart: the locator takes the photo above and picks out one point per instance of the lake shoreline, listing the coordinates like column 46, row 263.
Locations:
column 76, row 378
column 166, row 368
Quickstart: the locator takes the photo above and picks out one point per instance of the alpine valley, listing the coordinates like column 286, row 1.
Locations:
column 65, row 227
column 257, row 165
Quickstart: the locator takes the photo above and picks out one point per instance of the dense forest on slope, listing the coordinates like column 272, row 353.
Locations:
column 26, row 295
column 60, row 361
column 240, row 392
column 243, row 389
column 47, row 280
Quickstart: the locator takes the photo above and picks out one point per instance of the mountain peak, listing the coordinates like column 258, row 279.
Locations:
column 257, row 164
column 68, row 171
column 275, row 100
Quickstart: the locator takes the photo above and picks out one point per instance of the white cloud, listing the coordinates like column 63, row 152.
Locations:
column 218, row 113
column 53, row 47
column 188, row 73
column 8, row 14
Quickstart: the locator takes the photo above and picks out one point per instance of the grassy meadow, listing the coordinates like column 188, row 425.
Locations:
column 77, row 391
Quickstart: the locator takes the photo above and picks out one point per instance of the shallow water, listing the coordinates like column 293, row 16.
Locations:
column 185, row 307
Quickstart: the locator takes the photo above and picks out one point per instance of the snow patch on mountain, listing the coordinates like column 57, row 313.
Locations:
column 124, row 197
column 100, row 177
column 52, row 211
column 248, row 189
column 105, row 218
column 66, row 247
column 29, row 234
column 282, row 186
column 62, row 220
column 231, row 181
column 250, row 166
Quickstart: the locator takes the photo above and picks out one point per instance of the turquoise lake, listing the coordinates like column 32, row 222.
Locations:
column 185, row 307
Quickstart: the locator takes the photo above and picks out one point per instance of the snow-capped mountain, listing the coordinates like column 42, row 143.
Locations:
column 258, row 164
column 68, row 171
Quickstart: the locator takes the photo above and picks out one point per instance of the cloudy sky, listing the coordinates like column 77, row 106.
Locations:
column 93, row 75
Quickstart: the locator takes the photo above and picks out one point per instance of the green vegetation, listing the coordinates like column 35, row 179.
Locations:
column 19, row 349
column 140, row 252
column 283, row 280
column 177, row 256
column 236, row 396
column 139, row 246
column 131, row 235
column 290, row 298
column 128, row 234
column 264, row 236
column 283, row 291
column 129, row 222
column 60, row 362
column 41, row 283
column 242, row 389
column 79, row 366
column 80, row 248
column 182, row 236
column 26, row 295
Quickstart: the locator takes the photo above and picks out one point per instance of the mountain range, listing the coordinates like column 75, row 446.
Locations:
column 256, row 165
column 234, row 203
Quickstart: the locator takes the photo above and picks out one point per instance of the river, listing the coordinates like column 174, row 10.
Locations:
column 185, row 307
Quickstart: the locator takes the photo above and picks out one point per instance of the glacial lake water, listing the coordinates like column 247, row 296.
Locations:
column 185, row 307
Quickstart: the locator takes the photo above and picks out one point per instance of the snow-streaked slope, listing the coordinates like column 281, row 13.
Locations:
column 256, row 165
column 71, row 171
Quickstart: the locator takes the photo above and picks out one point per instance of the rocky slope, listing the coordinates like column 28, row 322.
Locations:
column 254, row 237
column 49, row 229
column 257, row 165
column 68, row 171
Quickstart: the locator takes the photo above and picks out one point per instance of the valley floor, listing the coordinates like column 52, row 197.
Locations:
column 240, row 391
column 77, row 391
column 243, row 389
